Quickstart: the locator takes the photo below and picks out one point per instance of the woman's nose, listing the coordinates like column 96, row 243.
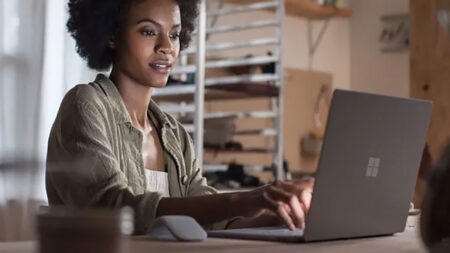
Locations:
column 164, row 46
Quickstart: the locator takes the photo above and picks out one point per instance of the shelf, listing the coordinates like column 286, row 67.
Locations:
column 180, row 93
column 242, row 151
column 252, row 5
column 259, row 132
column 241, row 115
column 240, row 79
column 233, row 62
column 238, row 157
column 234, row 28
column 183, row 108
column 306, row 9
column 210, row 95
column 311, row 10
column 234, row 45
column 250, row 89
column 224, row 167
column 234, row 77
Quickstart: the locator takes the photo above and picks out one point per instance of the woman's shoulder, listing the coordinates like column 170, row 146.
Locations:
column 83, row 103
column 81, row 94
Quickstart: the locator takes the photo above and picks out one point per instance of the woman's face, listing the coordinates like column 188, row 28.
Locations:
column 148, row 45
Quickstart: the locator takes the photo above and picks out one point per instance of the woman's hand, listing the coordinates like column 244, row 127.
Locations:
column 289, row 200
column 275, row 204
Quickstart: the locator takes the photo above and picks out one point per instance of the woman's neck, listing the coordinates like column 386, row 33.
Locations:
column 136, row 97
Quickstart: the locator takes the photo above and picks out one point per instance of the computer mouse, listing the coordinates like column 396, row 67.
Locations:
column 177, row 228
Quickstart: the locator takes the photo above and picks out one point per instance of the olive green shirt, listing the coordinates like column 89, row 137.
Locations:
column 95, row 155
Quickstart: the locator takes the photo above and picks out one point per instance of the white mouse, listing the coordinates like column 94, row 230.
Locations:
column 177, row 228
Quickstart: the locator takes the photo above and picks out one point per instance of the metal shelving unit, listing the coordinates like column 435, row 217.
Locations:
column 269, row 85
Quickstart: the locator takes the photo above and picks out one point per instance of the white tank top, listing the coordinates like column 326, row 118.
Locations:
column 157, row 181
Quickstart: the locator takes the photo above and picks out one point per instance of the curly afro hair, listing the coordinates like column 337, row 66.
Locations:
column 92, row 23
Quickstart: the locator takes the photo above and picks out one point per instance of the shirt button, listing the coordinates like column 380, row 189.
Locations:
column 184, row 179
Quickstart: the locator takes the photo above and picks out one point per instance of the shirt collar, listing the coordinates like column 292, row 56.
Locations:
column 116, row 101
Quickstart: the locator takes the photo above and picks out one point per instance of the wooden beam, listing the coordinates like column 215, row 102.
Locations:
column 430, row 67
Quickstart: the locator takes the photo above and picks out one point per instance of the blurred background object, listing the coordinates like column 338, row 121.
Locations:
column 25, row 215
column 425, row 170
column 430, row 65
column 443, row 16
column 22, row 29
column 435, row 218
column 21, row 193
column 395, row 36
column 38, row 65
column 62, row 229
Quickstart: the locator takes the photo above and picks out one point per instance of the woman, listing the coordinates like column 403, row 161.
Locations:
column 133, row 153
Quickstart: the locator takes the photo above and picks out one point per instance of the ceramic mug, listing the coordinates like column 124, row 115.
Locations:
column 70, row 230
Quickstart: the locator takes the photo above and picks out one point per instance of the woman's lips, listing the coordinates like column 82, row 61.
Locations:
column 161, row 67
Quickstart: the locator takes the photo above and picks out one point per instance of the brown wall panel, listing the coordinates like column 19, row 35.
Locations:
column 430, row 67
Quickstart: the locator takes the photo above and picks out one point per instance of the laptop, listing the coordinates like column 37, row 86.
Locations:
column 367, row 170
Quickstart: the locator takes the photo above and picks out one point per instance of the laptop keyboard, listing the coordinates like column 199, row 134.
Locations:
column 262, row 232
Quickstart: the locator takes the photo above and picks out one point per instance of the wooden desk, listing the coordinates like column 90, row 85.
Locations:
column 408, row 241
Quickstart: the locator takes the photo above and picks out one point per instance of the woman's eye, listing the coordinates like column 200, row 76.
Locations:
column 148, row 33
column 175, row 35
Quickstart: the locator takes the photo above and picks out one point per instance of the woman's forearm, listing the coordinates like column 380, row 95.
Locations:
column 214, row 208
column 288, row 200
column 206, row 209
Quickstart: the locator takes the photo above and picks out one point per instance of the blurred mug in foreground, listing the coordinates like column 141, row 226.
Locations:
column 71, row 230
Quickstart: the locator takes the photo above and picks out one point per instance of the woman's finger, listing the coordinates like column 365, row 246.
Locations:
column 305, row 199
column 296, row 187
column 292, row 202
column 297, row 211
column 278, row 208
column 286, row 217
column 302, row 190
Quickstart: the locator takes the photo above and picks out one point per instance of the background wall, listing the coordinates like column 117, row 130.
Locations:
column 371, row 70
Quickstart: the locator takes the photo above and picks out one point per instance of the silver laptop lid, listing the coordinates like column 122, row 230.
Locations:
column 368, row 166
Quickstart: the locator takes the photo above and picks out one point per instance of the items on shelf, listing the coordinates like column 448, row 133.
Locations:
column 333, row 3
column 175, row 81
column 237, row 176
column 233, row 177
column 269, row 68
column 219, row 131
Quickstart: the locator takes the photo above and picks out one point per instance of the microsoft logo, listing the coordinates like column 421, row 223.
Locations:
column 373, row 167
